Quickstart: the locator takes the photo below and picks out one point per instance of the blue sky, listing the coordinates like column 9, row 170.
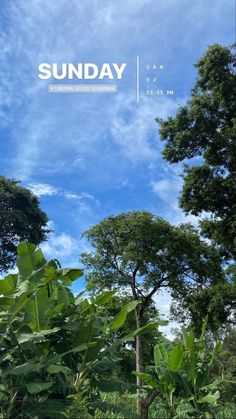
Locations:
column 91, row 155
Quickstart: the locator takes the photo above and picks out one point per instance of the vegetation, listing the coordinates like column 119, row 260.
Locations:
column 206, row 129
column 140, row 254
column 59, row 353
column 203, row 136
column 56, row 350
column 20, row 219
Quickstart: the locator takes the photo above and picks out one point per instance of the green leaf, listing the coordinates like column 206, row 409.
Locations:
column 37, row 387
column 8, row 285
column 189, row 343
column 64, row 295
column 80, row 348
column 147, row 328
column 119, row 320
column 103, row 365
column 188, row 338
column 160, row 353
column 147, row 378
column 218, row 347
column 104, row 297
column 68, row 275
column 131, row 306
column 48, row 408
column 55, row 369
column 24, row 369
column 121, row 317
column 35, row 337
column 210, row 398
column 29, row 259
column 176, row 358
column 203, row 331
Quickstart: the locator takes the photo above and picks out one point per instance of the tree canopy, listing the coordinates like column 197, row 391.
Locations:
column 203, row 135
column 21, row 219
column 142, row 253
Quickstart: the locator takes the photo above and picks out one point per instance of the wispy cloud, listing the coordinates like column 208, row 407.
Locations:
column 163, row 302
column 60, row 246
column 43, row 189
column 168, row 189
column 134, row 128
column 64, row 246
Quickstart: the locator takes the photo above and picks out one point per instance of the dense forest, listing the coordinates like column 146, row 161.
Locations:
column 100, row 354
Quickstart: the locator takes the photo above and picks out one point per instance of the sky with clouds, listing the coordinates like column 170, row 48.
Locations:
column 88, row 156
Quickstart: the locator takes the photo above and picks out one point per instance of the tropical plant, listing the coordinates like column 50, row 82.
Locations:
column 57, row 351
column 182, row 377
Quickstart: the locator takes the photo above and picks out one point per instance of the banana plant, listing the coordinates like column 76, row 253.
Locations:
column 57, row 350
column 182, row 376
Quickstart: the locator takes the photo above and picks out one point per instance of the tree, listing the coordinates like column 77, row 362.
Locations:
column 140, row 253
column 203, row 135
column 20, row 219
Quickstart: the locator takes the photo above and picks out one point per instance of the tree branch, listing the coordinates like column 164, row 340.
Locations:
column 151, row 397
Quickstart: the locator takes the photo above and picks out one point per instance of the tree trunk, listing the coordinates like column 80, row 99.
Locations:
column 138, row 359
column 143, row 409
column 142, row 404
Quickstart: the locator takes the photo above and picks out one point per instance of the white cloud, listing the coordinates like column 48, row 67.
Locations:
column 134, row 129
column 60, row 246
column 71, row 195
column 85, row 202
column 43, row 189
column 64, row 247
column 163, row 301
column 167, row 189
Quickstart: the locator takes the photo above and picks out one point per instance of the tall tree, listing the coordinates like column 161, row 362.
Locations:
column 203, row 135
column 141, row 253
column 21, row 219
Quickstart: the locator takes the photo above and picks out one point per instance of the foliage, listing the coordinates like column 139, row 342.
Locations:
column 139, row 253
column 182, row 376
column 225, row 365
column 21, row 219
column 205, row 128
column 127, row 364
column 142, row 247
column 217, row 301
column 57, row 351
